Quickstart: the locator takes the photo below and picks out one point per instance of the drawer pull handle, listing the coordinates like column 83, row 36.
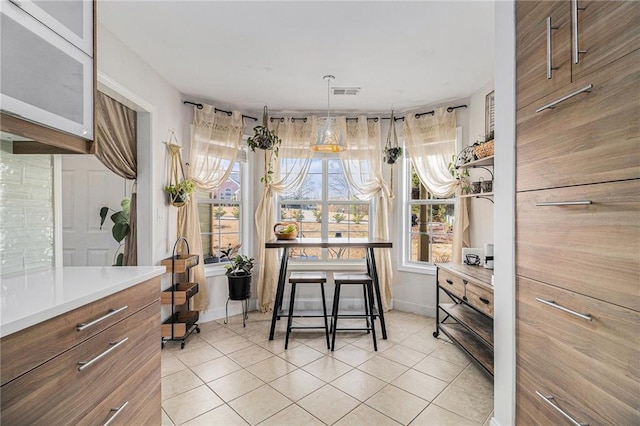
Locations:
column 449, row 281
column 115, row 412
column 563, row 203
column 549, row 28
column 576, row 48
column 564, row 98
column 83, row 326
column 112, row 346
column 548, row 400
column 563, row 309
column 483, row 300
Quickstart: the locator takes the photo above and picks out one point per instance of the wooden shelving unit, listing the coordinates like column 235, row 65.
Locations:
column 483, row 163
column 183, row 321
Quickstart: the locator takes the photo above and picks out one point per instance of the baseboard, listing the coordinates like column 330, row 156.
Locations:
column 494, row 422
column 414, row 308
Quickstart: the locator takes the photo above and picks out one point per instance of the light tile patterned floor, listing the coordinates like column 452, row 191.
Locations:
column 230, row 375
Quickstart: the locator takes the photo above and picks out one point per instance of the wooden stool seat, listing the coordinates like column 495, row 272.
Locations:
column 350, row 278
column 307, row 278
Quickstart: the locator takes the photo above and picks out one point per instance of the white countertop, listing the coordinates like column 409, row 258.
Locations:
column 32, row 297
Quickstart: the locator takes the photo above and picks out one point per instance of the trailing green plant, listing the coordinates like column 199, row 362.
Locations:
column 186, row 186
column 240, row 265
column 267, row 140
column 120, row 228
column 461, row 174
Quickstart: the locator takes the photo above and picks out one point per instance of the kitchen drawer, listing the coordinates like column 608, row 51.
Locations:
column 480, row 298
column 589, row 138
column 590, row 367
column 451, row 283
column 24, row 350
column 58, row 393
column 590, row 249
column 141, row 393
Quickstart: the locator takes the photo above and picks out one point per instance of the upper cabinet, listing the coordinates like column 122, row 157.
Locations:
column 562, row 41
column 46, row 55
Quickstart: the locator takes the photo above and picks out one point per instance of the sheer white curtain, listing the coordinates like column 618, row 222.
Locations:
column 296, row 135
column 431, row 142
column 215, row 141
column 362, row 164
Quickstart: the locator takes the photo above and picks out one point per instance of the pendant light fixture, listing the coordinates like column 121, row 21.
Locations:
column 329, row 136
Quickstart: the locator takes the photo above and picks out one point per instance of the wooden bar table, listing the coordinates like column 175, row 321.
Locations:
column 368, row 243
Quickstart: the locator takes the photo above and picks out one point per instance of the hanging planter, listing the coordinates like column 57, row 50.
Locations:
column 264, row 138
column 392, row 152
column 179, row 188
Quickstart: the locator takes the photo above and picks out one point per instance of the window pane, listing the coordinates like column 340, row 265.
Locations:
column 420, row 249
column 348, row 221
column 337, row 183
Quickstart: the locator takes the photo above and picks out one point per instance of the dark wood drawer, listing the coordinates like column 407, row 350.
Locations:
column 26, row 349
column 589, row 138
column 58, row 393
column 591, row 249
column 590, row 367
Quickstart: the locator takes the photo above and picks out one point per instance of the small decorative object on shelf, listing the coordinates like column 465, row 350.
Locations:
column 182, row 321
column 239, row 276
column 485, row 147
column 285, row 230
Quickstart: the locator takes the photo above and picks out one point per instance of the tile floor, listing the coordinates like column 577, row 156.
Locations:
column 230, row 375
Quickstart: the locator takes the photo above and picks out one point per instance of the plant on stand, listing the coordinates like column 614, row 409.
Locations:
column 266, row 140
column 120, row 228
column 239, row 276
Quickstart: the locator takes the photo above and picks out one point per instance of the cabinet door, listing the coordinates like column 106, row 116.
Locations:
column 588, row 138
column 44, row 78
column 542, row 68
column 606, row 30
column 71, row 19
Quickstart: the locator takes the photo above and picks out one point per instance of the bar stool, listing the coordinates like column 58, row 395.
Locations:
column 307, row 278
column 366, row 282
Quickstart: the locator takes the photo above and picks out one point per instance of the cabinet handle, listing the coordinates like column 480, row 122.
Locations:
column 563, row 309
column 113, row 345
column 449, row 281
column 576, row 48
column 483, row 300
column 112, row 312
column 549, row 50
column 115, row 412
column 548, row 400
column 563, row 203
column 564, row 98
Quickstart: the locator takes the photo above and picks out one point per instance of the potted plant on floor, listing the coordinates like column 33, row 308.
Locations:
column 239, row 276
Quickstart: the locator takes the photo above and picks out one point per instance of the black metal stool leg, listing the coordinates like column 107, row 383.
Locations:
column 290, row 319
column 369, row 301
column 366, row 306
column 324, row 311
column 334, row 312
column 226, row 311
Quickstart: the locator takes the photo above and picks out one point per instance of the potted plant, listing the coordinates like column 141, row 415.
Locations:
column 239, row 276
column 459, row 174
column 392, row 152
column 179, row 193
column 267, row 140
column 120, row 228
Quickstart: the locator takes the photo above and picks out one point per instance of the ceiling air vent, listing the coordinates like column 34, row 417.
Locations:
column 345, row 90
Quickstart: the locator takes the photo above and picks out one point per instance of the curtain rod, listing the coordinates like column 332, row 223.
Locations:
column 281, row 119
column 200, row 106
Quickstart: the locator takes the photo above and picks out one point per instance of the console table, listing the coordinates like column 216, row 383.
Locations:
column 467, row 320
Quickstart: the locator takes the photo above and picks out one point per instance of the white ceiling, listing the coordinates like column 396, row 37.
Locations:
column 242, row 54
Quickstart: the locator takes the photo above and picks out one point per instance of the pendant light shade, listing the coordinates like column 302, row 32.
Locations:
column 329, row 136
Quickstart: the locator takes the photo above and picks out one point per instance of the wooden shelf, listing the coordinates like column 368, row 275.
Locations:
column 181, row 322
column 181, row 262
column 486, row 161
column 470, row 344
column 182, row 293
column 474, row 321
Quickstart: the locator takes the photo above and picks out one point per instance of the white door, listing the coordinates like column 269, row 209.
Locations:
column 87, row 185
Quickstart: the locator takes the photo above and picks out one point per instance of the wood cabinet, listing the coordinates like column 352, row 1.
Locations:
column 467, row 316
column 577, row 235
column 48, row 78
column 107, row 358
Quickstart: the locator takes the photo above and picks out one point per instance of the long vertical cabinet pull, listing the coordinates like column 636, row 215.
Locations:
column 550, row 66
column 574, row 21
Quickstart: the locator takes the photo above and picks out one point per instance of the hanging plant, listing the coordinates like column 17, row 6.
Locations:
column 179, row 188
column 392, row 152
column 264, row 138
column 179, row 193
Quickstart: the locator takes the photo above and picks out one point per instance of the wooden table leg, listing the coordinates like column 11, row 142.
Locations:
column 279, row 291
column 373, row 273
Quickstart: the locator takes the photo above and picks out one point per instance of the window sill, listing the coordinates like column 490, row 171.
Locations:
column 214, row 270
column 415, row 269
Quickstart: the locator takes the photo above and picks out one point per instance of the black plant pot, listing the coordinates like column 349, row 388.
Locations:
column 392, row 155
column 239, row 287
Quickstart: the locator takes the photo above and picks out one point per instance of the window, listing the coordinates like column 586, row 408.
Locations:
column 220, row 214
column 325, row 206
column 428, row 231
